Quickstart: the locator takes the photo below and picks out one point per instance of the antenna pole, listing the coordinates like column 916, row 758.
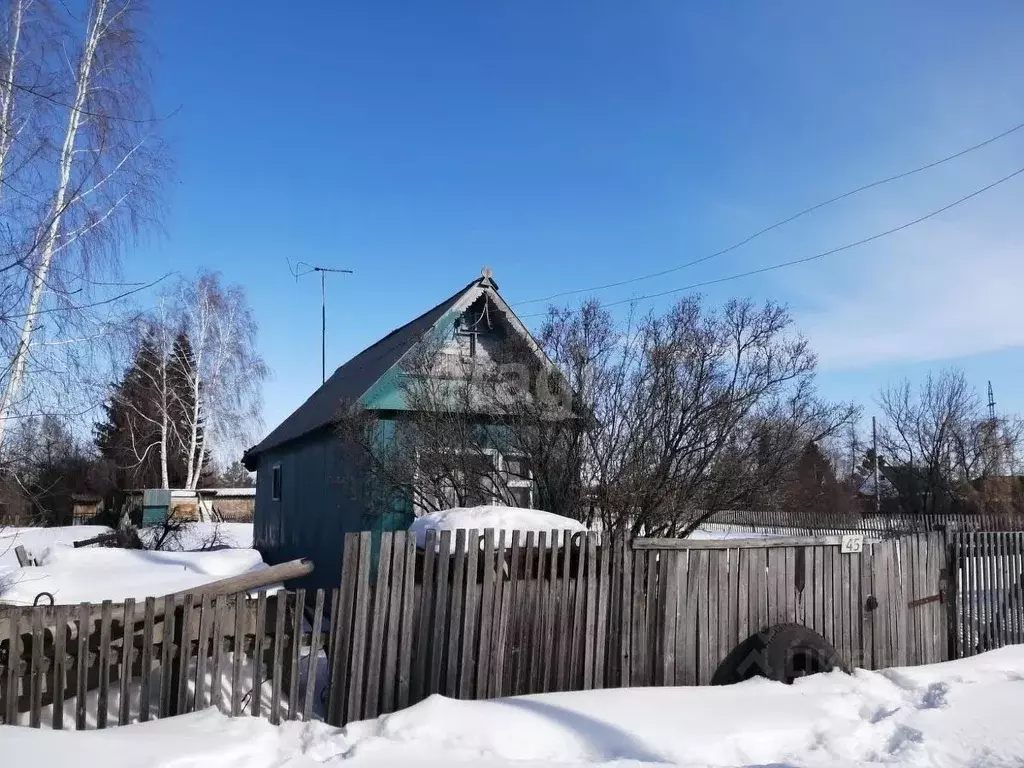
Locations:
column 302, row 268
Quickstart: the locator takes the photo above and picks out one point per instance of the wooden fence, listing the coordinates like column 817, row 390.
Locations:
column 989, row 570
column 473, row 615
column 159, row 657
column 474, row 618
column 814, row 522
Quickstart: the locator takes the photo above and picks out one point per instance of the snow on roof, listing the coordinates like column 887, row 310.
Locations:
column 499, row 518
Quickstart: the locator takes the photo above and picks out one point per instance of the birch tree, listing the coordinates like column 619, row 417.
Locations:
column 225, row 378
column 76, row 120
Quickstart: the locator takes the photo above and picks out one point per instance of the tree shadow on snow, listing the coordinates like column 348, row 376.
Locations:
column 606, row 741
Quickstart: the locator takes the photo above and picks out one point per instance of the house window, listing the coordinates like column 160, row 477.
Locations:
column 518, row 479
column 275, row 483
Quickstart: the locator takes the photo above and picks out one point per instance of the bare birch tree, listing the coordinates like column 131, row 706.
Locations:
column 87, row 165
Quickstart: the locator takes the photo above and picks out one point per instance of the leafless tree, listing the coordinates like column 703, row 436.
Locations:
column 940, row 446
column 650, row 426
column 226, row 377
column 80, row 163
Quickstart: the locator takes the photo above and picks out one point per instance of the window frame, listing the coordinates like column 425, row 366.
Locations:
column 276, row 482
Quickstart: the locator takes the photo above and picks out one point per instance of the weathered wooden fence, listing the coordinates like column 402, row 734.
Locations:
column 989, row 570
column 815, row 522
column 473, row 615
column 91, row 666
column 480, row 616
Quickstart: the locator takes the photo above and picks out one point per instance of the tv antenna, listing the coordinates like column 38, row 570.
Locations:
column 302, row 268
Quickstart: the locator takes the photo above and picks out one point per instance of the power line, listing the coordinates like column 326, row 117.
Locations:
column 782, row 222
column 815, row 256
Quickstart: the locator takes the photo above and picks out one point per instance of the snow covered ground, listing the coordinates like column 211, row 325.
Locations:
column 194, row 537
column 956, row 714
column 95, row 574
column 39, row 541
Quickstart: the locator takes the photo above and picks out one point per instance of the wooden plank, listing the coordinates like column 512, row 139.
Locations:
column 537, row 630
column 915, row 575
column 592, row 581
column 360, row 622
column 258, row 652
column 724, row 606
column 458, row 596
column 668, row 587
column 650, row 616
column 549, row 616
column 828, row 593
column 1002, row 585
column 406, row 628
column 35, row 682
column 845, row 606
column 638, row 635
column 564, row 638
column 743, row 601
column 601, row 627
column 276, row 655
column 883, row 620
column 576, row 626
column 483, row 667
column 513, row 592
column 440, row 613
column 705, row 638
column 789, row 584
column 499, row 624
column 238, row 657
column 421, row 658
column 203, row 651
column 1016, row 577
column 899, row 612
column 219, row 653
column 470, row 615
column 520, row 572
column 298, row 604
column 166, row 656
column 387, row 697
column 184, row 654
column 341, row 623
column 686, row 621
column 378, row 633
column 866, row 616
column 147, row 658
column 626, row 615
column 761, row 562
column 60, row 659
column 103, row 691
column 313, row 660
column 14, row 652
column 819, row 604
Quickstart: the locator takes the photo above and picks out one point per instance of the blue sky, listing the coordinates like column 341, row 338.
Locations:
column 570, row 144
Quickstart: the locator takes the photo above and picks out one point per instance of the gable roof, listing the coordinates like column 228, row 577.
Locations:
column 355, row 378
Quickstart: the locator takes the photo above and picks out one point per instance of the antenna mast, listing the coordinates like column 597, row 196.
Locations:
column 302, row 268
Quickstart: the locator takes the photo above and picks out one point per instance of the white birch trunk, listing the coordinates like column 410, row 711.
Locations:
column 7, row 130
column 67, row 155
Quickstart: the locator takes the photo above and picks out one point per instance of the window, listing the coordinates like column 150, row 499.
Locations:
column 275, row 488
column 518, row 478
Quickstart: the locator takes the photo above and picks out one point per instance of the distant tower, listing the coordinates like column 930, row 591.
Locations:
column 992, row 445
column 991, row 404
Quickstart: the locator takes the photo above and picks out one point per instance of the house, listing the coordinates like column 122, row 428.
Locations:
column 311, row 487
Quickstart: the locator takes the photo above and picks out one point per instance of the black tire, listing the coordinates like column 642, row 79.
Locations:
column 781, row 653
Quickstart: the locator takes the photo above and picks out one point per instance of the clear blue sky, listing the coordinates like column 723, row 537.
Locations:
column 569, row 144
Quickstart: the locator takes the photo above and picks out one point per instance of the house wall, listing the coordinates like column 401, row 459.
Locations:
column 322, row 499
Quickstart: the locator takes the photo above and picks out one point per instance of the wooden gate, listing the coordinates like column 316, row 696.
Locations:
column 989, row 569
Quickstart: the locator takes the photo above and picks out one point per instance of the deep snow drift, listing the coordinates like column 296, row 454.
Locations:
column 494, row 516
column 960, row 713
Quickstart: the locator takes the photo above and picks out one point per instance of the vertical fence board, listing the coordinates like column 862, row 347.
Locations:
column 458, row 596
column 36, row 672
column 258, row 653
column 381, row 594
column 626, row 614
column 393, row 628
column 440, row 613
column 470, row 615
column 276, row 654
column 359, row 628
column 147, row 657
column 499, row 624
column 238, row 657
column 341, row 634
column 60, row 659
column 298, row 604
column 638, row 633
column 406, row 629
column 704, row 636
column 166, row 655
column 523, row 647
column 536, row 634
column 313, row 660
column 483, row 668
column 513, row 591
column 184, row 655
column 592, row 580
column 562, row 635
column 602, row 648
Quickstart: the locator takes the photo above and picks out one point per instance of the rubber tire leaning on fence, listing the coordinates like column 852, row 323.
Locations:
column 782, row 653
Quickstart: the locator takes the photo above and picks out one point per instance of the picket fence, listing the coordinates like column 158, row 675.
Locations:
column 477, row 614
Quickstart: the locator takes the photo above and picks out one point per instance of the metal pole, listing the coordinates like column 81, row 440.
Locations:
column 874, row 444
column 323, row 326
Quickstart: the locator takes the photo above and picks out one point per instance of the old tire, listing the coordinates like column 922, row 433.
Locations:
column 782, row 653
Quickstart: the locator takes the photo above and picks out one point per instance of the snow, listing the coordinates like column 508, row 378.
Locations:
column 94, row 574
column 499, row 518
column 199, row 536
column 38, row 541
column 959, row 713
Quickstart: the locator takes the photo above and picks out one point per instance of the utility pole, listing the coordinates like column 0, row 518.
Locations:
column 302, row 268
column 874, row 448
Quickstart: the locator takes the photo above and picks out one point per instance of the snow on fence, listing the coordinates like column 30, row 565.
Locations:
column 160, row 657
column 990, row 591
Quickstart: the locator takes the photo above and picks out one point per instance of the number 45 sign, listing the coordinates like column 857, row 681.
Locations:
column 851, row 544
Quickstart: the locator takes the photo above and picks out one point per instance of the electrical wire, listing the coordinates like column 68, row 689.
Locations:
column 781, row 222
